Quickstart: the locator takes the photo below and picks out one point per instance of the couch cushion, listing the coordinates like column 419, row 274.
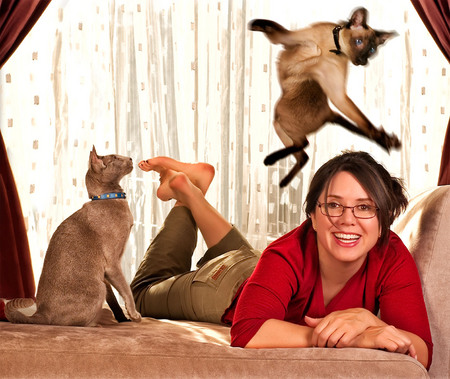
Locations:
column 175, row 349
column 425, row 229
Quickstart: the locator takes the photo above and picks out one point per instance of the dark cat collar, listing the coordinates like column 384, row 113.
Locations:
column 110, row 195
column 336, row 31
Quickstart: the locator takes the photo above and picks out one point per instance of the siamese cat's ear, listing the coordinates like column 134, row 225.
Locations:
column 383, row 36
column 95, row 163
column 358, row 19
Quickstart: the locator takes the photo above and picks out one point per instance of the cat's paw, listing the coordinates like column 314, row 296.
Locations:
column 135, row 316
column 387, row 141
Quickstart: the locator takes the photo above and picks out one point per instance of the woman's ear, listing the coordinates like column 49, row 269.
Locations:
column 312, row 216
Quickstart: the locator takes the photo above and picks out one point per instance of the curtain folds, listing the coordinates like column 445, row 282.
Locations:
column 16, row 275
column 436, row 17
column 16, row 20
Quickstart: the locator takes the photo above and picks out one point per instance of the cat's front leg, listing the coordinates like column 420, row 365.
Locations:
column 114, row 275
column 114, row 304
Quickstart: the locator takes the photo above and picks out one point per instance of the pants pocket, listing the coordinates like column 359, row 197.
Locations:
column 214, row 271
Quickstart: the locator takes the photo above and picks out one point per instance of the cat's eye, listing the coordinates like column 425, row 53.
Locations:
column 358, row 42
column 372, row 50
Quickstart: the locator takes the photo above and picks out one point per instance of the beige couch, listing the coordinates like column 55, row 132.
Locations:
column 178, row 349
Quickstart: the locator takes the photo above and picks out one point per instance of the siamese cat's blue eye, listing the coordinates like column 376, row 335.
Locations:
column 372, row 50
column 358, row 42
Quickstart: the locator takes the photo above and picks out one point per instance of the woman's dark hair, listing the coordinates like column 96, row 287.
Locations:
column 387, row 192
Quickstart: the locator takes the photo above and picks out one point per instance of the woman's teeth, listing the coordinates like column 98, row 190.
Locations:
column 344, row 237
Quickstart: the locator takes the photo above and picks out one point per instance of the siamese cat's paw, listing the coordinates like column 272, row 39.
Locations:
column 388, row 141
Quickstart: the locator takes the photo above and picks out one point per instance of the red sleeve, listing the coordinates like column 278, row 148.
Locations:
column 264, row 297
column 271, row 287
column 400, row 293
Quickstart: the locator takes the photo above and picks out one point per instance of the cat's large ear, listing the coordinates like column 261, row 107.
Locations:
column 95, row 163
column 383, row 36
column 358, row 19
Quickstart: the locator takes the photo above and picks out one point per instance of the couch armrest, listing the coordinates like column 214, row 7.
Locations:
column 425, row 230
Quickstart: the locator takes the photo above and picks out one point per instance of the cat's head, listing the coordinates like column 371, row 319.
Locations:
column 359, row 41
column 106, row 171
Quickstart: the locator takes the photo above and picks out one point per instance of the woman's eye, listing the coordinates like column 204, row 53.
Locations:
column 364, row 207
column 334, row 205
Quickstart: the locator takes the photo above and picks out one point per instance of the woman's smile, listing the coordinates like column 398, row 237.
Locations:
column 347, row 239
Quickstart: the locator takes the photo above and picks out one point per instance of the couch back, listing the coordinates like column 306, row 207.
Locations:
column 425, row 230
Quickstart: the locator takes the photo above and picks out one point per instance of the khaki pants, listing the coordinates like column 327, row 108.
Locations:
column 164, row 286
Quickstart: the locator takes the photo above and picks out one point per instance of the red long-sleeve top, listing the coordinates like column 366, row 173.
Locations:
column 286, row 285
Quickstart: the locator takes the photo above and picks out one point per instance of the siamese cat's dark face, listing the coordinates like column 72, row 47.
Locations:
column 362, row 44
column 360, row 41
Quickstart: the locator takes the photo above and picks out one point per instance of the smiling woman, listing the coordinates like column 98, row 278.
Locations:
column 323, row 283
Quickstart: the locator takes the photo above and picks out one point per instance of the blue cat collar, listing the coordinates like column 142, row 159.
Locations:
column 110, row 195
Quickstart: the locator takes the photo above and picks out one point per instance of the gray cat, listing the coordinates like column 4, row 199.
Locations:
column 83, row 256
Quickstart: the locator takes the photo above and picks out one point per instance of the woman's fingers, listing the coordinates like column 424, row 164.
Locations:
column 355, row 328
column 338, row 328
column 387, row 338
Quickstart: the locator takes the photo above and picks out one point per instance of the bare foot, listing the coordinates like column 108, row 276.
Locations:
column 183, row 189
column 164, row 191
column 176, row 185
column 200, row 174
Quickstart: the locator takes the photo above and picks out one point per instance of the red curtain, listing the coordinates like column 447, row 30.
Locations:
column 17, row 17
column 436, row 17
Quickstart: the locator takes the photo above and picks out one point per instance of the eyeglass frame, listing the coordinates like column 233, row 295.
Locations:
column 344, row 207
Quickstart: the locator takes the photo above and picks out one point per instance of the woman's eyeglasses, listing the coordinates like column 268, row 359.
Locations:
column 337, row 210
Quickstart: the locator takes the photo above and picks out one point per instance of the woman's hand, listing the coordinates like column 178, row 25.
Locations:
column 387, row 338
column 357, row 327
column 339, row 328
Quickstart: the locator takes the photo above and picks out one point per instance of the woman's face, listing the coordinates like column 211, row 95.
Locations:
column 346, row 239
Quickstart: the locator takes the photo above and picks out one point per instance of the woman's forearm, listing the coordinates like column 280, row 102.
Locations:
column 283, row 334
column 277, row 333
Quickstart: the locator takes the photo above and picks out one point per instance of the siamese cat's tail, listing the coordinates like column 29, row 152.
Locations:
column 13, row 313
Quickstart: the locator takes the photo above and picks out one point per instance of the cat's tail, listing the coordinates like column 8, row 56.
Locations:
column 13, row 313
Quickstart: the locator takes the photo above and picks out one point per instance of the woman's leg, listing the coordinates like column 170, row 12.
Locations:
column 169, row 255
column 170, row 252
column 188, row 183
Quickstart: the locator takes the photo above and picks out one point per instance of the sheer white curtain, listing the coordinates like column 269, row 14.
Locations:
column 187, row 79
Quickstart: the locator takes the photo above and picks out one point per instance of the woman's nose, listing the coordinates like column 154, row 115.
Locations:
column 348, row 216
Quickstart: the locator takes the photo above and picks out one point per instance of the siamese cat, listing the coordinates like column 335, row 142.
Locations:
column 312, row 69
